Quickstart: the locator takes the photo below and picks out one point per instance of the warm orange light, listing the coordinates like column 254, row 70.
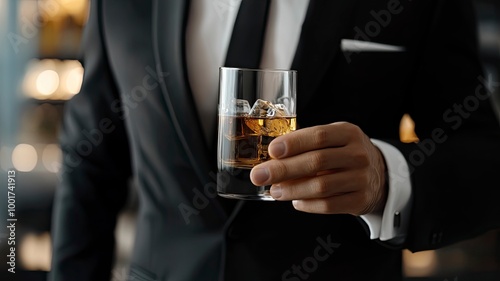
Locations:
column 58, row 10
column 53, row 79
column 74, row 7
column 407, row 130
column 34, row 252
column 419, row 264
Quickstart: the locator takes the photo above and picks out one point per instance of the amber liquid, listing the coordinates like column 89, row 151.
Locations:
column 244, row 140
column 242, row 144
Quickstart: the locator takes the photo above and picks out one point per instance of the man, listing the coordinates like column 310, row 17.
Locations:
column 142, row 113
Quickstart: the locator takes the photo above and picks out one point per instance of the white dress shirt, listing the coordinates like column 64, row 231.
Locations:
column 208, row 32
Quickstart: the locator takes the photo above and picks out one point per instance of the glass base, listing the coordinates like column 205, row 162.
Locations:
column 236, row 184
column 258, row 197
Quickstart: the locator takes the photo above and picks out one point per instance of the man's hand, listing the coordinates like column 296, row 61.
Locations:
column 328, row 169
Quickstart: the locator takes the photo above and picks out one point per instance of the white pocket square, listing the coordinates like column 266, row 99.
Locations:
column 350, row 45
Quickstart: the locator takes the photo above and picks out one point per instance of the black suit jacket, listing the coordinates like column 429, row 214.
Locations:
column 135, row 117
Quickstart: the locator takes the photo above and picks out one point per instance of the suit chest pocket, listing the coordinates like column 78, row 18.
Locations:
column 372, row 65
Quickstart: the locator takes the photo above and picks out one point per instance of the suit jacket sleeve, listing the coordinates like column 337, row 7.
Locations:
column 96, row 170
column 454, row 168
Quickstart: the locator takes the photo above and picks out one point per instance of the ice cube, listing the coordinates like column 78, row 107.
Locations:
column 241, row 107
column 237, row 107
column 266, row 109
column 260, row 108
column 276, row 127
column 282, row 110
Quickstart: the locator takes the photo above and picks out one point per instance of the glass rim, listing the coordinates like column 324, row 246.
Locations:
column 258, row 69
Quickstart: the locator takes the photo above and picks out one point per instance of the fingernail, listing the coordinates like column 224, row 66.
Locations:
column 259, row 175
column 276, row 191
column 295, row 203
column 277, row 149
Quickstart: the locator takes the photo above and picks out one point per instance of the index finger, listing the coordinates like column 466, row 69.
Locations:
column 312, row 138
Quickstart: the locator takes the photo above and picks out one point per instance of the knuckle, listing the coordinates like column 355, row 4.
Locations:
column 320, row 138
column 279, row 171
column 316, row 162
column 351, row 129
column 363, row 180
column 363, row 198
column 321, row 186
column 361, row 157
column 356, row 130
column 297, row 145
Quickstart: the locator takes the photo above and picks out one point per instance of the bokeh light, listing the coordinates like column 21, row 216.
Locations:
column 420, row 263
column 47, row 82
column 35, row 252
column 24, row 157
column 73, row 78
column 51, row 158
column 53, row 79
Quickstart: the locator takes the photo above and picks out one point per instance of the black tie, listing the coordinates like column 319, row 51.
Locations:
column 245, row 47
column 245, row 50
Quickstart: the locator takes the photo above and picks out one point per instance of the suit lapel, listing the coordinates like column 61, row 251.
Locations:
column 170, row 58
column 169, row 21
column 319, row 43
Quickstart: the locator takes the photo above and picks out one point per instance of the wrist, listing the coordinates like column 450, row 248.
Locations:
column 383, row 185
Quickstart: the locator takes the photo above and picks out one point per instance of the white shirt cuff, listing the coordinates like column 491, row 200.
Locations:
column 393, row 222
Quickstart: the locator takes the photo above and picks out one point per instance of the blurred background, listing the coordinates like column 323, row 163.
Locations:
column 40, row 71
